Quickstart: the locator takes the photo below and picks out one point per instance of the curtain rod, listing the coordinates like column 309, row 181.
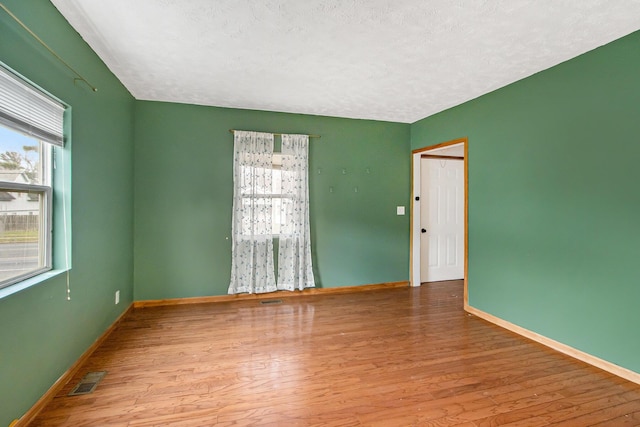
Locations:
column 275, row 134
column 34, row 35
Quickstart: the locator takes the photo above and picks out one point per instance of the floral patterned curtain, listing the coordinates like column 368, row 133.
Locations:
column 294, row 249
column 252, row 267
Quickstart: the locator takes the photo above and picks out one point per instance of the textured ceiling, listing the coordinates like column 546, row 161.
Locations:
column 394, row 60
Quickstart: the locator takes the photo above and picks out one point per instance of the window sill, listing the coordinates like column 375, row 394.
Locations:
column 31, row 281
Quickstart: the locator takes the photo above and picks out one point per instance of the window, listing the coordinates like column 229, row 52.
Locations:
column 265, row 193
column 31, row 124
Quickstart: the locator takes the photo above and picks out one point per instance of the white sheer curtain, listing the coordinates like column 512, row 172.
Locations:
column 294, row 249
column 252, row 267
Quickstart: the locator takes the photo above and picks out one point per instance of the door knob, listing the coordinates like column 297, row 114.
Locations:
column 424, row 230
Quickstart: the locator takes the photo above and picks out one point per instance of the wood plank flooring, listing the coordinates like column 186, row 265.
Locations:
column 396, row 357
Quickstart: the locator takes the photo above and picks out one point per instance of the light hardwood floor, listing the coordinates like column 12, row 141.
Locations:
column 397, row 357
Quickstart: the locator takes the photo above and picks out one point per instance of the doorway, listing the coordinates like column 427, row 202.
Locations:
column 446, row 161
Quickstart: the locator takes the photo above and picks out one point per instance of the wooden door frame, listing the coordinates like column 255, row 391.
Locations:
column 414, row 251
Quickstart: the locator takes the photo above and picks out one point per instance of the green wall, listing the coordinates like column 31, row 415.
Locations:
column 554, row 207
column 183, row 196
column 42, row 333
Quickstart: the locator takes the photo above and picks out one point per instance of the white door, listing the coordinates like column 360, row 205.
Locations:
column 441, row 219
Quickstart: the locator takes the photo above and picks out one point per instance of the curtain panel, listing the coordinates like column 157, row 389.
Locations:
column 294, row 248
column 252, row 266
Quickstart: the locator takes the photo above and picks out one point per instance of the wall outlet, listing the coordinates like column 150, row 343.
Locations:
column 117, row 297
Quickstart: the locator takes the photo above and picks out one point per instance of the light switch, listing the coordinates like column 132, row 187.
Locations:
column 400, row 210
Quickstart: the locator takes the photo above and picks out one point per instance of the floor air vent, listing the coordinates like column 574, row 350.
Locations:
column 88, row 383
column 271, row 301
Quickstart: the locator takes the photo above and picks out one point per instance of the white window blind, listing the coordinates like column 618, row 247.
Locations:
column 26, row 109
